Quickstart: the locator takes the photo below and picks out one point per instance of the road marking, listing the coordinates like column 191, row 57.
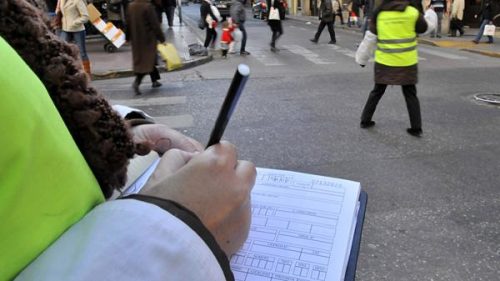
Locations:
column 441, row 54
column 307, row 54
column 176, row 121
column 151, row 101
column 343, row 51
column 267, row 58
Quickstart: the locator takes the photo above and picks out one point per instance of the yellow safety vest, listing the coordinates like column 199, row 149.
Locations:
column 45, row 183
column 396, row 37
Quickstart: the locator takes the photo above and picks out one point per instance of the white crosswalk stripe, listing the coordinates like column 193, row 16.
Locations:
column 307, row 54
column 267, row 58
column 173, row 121
column 344, row 51
column 151, row 101
column 318, row 56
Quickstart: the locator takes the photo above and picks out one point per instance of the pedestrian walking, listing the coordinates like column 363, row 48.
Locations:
column 327, row 10
column 439, row 6
column 238, row 15
column 144, row 33
column 393, row 32
column 275, row 13
column 486, row 14
column 74, row 15
column 457, row 15
column 168, row 7
column 210, row 18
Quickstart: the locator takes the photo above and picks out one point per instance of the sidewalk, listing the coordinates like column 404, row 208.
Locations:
column 119, row 64
column 463, row 43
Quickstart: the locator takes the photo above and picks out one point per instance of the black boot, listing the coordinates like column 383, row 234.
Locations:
column 414, row 132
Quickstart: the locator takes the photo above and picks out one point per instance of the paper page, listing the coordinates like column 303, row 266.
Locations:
column 301, row 228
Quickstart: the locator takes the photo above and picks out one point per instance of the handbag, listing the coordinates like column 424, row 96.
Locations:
column 489, row 30
column 274, row 14
column 170, row 56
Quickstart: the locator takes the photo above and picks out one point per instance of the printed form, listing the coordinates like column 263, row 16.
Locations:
column 302, row 228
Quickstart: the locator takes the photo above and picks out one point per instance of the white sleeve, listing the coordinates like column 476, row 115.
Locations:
column 366, row 48
column 126, row 240
column 431, row 18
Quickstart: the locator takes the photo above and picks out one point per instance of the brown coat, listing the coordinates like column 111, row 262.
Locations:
column 390, row 75
column 144, row 31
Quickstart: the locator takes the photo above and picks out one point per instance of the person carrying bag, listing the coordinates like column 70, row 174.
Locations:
column 274, row 22
column 327, row 10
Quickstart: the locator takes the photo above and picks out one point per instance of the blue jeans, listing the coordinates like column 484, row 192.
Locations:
column 79, row 39
column 481, row 30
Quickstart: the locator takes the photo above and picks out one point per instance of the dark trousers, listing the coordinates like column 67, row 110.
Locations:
column 330, row 30
column 412, row 103
column 210, row 37
column 339, row 13
column 241, row 26
column 169, row 11
column 155, row 76
column 456, row 24
column 277, row 30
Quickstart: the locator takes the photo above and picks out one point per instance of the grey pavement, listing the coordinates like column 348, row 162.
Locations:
column 119, row 64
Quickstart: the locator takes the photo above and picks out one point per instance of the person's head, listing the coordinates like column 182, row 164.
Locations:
column 99, row 132
column 225, row 24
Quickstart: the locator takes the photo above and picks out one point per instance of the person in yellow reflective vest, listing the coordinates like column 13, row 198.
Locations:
column 396, row 24
column 64, row 152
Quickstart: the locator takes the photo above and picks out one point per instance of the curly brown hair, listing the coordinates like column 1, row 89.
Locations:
column 100, row 133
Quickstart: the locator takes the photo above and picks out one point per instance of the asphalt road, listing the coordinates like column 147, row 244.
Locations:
column 433, row 201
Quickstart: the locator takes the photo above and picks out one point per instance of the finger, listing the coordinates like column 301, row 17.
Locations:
column 230, row 152
column 170, row 162
column 246, row 171
column 223, row 154
column 188, row 144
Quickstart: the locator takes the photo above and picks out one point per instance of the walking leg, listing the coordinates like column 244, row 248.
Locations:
column 331, row 30
column 208, row 37
column 321, row 26
column 413, row 105
column 137, row 83
column 371, row 104
column 155, row 76
column 243, row 39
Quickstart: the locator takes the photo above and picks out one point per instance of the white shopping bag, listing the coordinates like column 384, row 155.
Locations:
column 489, row 30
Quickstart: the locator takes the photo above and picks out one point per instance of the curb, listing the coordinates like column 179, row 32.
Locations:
column 471, row 50
column 483, row 52
column 129, row 72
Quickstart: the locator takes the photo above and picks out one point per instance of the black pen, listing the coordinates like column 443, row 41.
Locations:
column 233, row 94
